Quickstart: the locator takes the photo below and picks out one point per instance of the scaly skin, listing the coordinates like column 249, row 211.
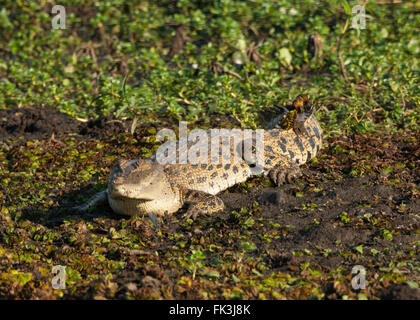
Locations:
column 140, row 187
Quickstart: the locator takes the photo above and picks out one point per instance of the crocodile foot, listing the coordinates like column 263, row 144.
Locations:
column 282, row 174
column 202, row 203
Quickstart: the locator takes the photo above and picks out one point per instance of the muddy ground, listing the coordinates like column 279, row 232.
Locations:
column 357, row 204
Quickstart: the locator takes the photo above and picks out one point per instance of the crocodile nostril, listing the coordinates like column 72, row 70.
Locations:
column 118, row 181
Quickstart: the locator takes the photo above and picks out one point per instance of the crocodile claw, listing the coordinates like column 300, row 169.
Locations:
column 282, row 175
column 192, row 213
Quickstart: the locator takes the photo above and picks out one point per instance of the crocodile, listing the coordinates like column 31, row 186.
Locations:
column 148, row 187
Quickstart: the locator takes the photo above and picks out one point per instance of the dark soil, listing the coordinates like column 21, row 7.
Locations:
column 42, row 123
column 35, row 123
column 357, row 204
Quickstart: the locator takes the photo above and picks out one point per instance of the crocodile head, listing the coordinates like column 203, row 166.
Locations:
column 137, row 179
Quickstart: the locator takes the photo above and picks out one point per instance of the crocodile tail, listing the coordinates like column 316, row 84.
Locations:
column 99, row 198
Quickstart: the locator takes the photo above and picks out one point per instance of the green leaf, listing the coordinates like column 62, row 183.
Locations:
column 197, row 254
column 285, row 56
column 346, row 7
column 249, row 222
column 235, row 278
column 248, row 246
column 361, row 296
column 374, row 251
column 257, row 273
column 213, row 274
column 413, row 284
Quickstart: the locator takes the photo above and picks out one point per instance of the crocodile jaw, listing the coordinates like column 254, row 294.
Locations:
column 138, row 187
column 137, row 207
column 133, row 200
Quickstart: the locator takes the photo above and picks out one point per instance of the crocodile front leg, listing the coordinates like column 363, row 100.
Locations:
column 284, row 173
column 201, row 202
column 97, row 199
